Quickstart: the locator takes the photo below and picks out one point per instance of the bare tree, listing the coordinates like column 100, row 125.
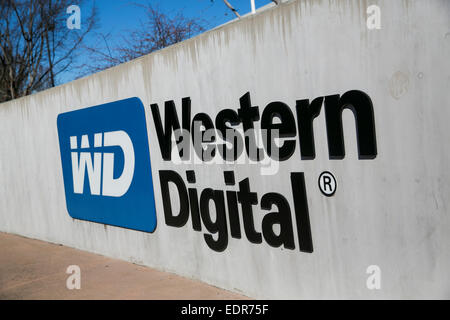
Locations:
column 157, row 31
column 36, row 45
column 228, row 4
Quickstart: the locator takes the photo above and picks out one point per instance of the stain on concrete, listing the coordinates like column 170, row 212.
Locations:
column 399, row 84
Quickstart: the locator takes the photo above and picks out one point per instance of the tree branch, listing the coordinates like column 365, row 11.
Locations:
column 231, row 8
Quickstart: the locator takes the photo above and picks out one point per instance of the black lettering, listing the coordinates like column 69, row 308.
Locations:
column 361, row 105
column 230, row 116
column 248, row 115
column 220, row 225
column 301, row 211
column 282, row 218
column 286, row 129
column 247, row 199
column 195, row 213
column 166, row 176
column 306, row 113
column 171, row 124
column 205, row 154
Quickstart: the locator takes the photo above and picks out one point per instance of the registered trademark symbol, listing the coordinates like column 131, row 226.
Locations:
column 327, row 183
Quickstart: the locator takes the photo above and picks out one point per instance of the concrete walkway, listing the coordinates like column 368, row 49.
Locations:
column 33, row 269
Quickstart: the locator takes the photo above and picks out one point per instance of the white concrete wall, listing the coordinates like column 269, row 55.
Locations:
column 392, row 211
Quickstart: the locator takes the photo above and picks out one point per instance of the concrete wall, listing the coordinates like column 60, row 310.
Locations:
column 392, row 211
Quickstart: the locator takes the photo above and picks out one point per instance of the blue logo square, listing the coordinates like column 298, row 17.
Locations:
column 106, row 165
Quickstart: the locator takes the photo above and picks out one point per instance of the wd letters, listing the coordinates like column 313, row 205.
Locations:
column 101, row 170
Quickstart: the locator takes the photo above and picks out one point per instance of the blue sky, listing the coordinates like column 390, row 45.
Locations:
column 115, row 17
column 121, row 14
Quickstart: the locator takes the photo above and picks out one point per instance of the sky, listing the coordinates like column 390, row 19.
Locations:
column 116, row 17
column 122, row 14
